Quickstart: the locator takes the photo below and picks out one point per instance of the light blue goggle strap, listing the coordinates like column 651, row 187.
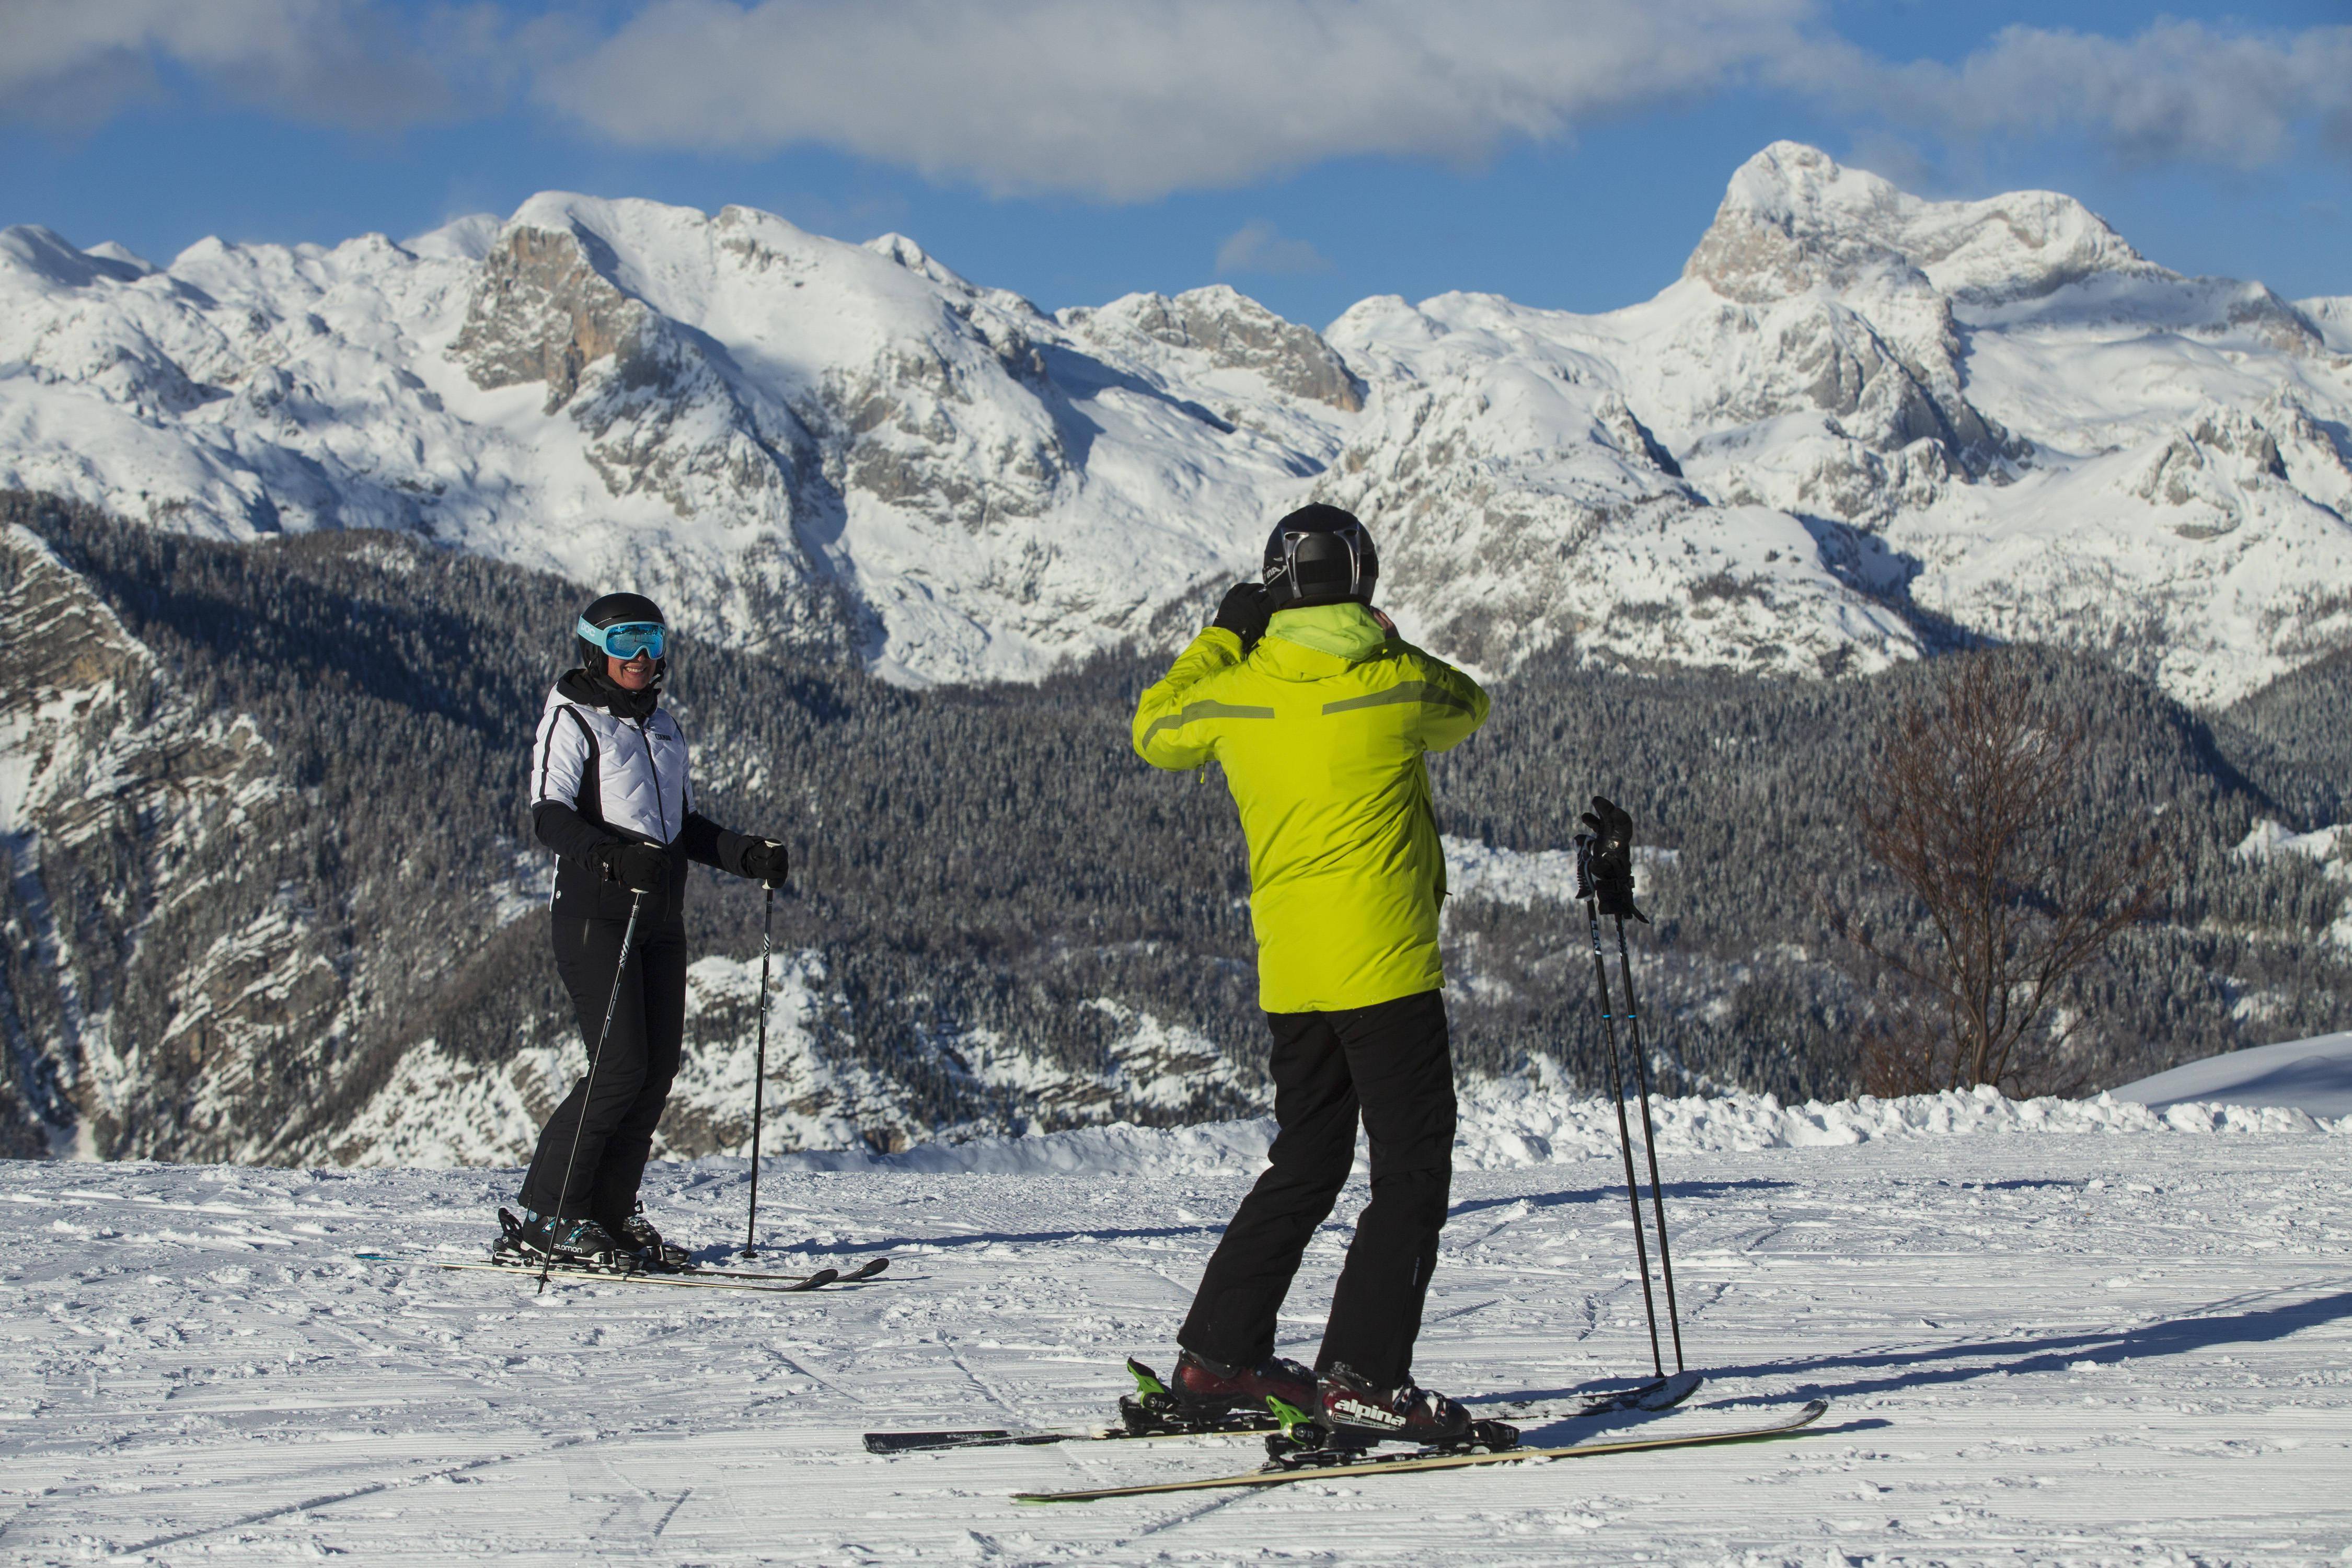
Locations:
column 647, row 636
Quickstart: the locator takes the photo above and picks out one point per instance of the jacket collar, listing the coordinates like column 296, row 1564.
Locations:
column 1318, row 640
column 578, row 686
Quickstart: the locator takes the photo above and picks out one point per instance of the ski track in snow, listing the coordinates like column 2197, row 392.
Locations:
column 2107, row 1345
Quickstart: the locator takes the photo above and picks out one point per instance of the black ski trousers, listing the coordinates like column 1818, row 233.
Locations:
column 614, row 1123
column 1391, row 1064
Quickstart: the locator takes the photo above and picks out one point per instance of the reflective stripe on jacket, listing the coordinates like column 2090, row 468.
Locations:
column 1320, row 732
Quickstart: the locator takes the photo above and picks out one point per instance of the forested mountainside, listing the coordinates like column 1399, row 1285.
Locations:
column 1857, row 421
column 269, row 896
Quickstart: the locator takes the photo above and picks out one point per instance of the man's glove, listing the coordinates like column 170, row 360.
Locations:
column 1610, row 858
column 767, row 861
column 1245, row 613
column 639, row 868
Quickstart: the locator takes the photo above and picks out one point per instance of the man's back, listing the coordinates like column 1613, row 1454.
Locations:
column 1320, row 732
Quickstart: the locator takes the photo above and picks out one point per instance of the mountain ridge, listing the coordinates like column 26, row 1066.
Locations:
column 1858, row 426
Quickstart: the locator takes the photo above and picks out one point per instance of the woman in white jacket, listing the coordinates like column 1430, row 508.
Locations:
column 610, row 794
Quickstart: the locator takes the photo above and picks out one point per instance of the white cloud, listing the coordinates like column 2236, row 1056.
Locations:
column 2177, row 92
column 1130, row 102
column 341, row 63
column 1258, row 246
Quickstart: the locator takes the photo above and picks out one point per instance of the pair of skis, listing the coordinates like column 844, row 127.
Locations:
column 1416, row 1461
column 1659, row 1395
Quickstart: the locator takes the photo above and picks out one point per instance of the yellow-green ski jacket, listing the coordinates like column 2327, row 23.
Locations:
column 1320, row 732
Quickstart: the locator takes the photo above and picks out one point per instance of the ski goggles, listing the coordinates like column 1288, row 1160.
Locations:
column 629, row 640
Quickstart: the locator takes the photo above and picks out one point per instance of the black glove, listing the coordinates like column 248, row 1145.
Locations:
column 1609, row 858
column 640, row 868
column 1245, row 613
column 767, row 861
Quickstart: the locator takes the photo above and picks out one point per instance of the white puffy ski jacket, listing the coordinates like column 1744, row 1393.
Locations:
column 622, row 773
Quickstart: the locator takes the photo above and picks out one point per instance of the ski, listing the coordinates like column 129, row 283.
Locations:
column 779, row 1284
column 783, row 1284
column 514, row 1249
column 1659, row 1394
column 1424, row 1460
column 866, row 1270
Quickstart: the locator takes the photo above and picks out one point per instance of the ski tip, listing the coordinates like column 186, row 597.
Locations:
column 867, row 1269
column 817, row 1280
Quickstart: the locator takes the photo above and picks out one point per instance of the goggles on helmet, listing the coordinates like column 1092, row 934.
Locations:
column 628, row 639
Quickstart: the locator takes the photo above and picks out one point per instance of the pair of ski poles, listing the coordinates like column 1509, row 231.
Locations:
column 760, row 1072
column 1633, row 1016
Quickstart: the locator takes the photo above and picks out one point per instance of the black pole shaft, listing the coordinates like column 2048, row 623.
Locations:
column 588, row 1088
column 760, row 1070
column 1624, row 1135
column 1649, row 1137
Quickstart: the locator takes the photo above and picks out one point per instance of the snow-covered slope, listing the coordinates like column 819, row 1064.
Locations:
column 1856, row 414
column 2313, row 1075
column 2113, row 1347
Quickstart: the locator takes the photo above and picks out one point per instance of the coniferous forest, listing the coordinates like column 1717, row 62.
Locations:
column 966, row 858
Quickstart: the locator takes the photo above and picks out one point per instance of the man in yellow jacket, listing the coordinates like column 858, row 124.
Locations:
column 1319, row 715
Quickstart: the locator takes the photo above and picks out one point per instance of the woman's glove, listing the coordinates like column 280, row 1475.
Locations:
column 640, row 868
column 768, row 861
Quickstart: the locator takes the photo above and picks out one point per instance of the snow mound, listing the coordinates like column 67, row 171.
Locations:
column 1508, row 1123
column 2313, row 1075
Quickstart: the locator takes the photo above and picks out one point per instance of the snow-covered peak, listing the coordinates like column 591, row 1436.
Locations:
column 1794, row 220
column 1858, row 413
column 47, row 256
column 467, row 238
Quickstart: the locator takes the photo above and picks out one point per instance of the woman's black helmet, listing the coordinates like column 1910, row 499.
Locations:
column 623, row 624
column 1319, row 555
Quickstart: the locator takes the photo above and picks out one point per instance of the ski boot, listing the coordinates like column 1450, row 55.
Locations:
column 577, row 1242
column 636, row 1234
column 1350, row 1413
column 1203, row 1395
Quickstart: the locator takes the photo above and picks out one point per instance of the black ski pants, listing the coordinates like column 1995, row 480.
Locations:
column 1391, row 1064
column 614, row 1121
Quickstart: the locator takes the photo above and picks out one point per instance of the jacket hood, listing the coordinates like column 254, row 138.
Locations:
column 1317, row 640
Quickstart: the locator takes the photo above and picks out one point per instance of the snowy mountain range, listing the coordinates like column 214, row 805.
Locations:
column 1858, row 423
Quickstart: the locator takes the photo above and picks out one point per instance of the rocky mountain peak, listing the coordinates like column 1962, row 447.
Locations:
column 1235, row 332
column 1794, row 220
column 540, row 311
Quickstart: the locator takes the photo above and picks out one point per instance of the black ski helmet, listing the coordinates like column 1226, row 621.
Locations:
column 1319, row 555
column 614, row 610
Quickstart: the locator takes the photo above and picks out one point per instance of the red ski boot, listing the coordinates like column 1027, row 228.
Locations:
column 1355, row 1411
column 1203, row 1396
column 1202, row 1387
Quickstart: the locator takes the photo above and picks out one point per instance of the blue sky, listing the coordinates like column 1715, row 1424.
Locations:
column 1309, row 152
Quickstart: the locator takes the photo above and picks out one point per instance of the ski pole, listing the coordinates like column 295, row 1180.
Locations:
column 588, row 1088
column 1649, row 1137
column 759, row 1071
column 1617, row 1092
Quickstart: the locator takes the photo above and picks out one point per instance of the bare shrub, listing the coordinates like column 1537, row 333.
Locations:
column 1976, row 806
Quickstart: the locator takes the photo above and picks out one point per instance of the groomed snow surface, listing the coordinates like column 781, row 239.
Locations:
column 2078, row 1333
